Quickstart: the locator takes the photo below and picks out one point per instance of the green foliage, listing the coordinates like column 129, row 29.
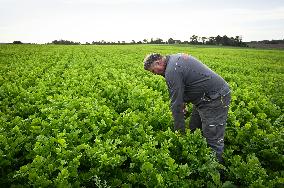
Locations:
column 90, row 116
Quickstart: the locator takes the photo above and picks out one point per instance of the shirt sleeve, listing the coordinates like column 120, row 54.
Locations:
column 176, row 90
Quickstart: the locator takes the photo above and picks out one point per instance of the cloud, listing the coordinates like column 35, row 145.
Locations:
column 257, row 15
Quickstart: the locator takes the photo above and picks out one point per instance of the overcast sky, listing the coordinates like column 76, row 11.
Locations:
column 83, row 21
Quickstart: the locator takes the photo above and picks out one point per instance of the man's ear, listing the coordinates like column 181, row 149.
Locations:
column 159, row 62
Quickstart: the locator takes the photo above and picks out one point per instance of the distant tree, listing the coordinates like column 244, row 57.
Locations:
column 133, row 42
column 211, row 41
column 65, row 42
column 225, row 40
column 17, row 42
column 218, row 39
column 203, row 39
column 237, row 39
column 171, row 41
column 194, row 39
column 145, row 41
column 232, row 41
column 177, row 41
column 158, row 41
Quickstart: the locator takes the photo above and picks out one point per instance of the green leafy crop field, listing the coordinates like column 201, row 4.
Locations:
column 90, row 116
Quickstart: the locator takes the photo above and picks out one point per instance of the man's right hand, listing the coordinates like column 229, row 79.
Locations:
column 185, row 110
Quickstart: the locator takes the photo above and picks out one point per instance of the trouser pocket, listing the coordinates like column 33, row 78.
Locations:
column 214, row 132
column 214, row 135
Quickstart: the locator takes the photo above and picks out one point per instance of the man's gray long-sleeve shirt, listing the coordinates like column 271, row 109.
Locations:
column 189, row 80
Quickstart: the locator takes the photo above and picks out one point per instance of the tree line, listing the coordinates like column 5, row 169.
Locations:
column 194, row 39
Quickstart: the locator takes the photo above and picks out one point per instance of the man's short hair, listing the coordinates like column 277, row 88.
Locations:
column 149, row 59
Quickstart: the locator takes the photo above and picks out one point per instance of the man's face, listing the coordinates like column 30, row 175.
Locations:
column 158, row 67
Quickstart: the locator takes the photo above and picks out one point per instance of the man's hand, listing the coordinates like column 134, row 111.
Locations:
column 185, row 110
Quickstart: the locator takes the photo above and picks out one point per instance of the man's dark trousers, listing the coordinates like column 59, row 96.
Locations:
column 211, row 116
